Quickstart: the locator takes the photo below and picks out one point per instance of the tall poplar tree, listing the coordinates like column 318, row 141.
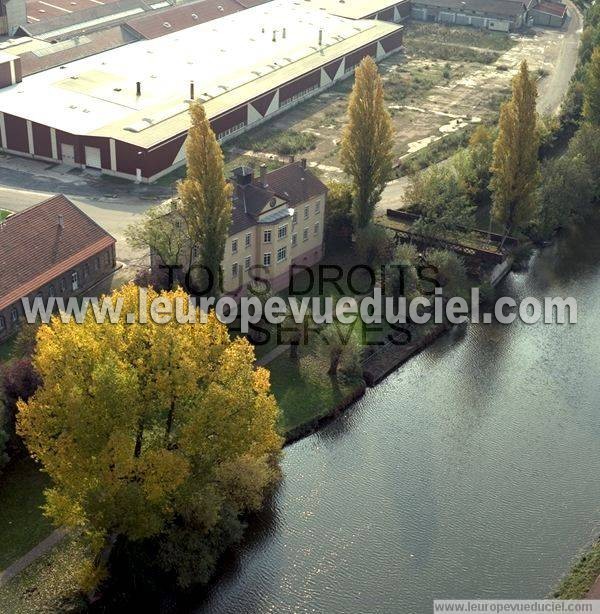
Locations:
column 366, row 149
column 515, row 167
column 591, row 94
column 206, row 195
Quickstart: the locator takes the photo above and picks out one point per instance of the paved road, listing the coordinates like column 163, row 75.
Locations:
column 112, row 205
column 553, row 88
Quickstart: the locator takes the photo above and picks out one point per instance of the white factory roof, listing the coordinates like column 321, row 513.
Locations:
column 352, row 9
column 230, row 60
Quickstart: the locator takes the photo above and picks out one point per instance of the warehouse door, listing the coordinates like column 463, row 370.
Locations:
column 67, row 153
column 92, row 157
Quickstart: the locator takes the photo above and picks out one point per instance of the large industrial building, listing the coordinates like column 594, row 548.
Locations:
column 125, row 110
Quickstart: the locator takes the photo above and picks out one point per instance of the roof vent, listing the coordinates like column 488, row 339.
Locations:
column 220, row 8
column 194, row 16
column 166, row 24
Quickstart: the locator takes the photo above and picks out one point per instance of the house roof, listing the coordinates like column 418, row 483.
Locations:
column 293, row 183
column 35, row 248
column 353, row 9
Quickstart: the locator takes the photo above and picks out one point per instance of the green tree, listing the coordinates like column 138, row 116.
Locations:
column 338, row 212
column 366, row 148
column 565, row 190
column 439, row 196
column 451, row 272
column 591, row 92
column 515, row 172
column 340, row 343
column 206, row 195
column 374, row 246
column 163, row 230
column 146, row 427
column 401, row 274
column 586, row 143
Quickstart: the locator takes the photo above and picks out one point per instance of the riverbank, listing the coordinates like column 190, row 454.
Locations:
column 584, row 578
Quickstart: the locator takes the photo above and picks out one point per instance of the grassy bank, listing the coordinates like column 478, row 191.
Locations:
column 22, row 524
column 48, row 585
column 304, row 391
column 581, row 578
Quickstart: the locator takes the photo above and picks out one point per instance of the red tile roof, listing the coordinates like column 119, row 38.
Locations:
column 35, row 249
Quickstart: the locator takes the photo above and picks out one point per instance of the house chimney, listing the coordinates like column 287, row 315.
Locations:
column 138, row 88
column 283, row 33
column 263, row 174
column 191, row 90
column 320, row 37
column 61, row 220
column 274, row 35
column 303, row 163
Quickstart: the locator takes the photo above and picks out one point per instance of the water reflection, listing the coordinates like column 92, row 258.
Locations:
column 470, row 472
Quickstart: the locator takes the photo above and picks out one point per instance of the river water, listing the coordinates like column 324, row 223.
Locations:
column 472, row 472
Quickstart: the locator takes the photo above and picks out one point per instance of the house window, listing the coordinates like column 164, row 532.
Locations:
column 248, row 239
column 14, row 314
column 294, row 239
column 316, row 229
column 295, row 218
column 247, row 263
column 267, row 236
column 318, row 207
column 234, row 269
column 234, row 246
column 281, row 254
column 86, row 270
column 267, row 259
column 74, row 280
column 62, row 285
column 282, row 232
column 306, row 212
column 2, row 323
column 305, row 234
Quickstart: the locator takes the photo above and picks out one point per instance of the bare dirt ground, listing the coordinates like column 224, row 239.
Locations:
column 428, row 97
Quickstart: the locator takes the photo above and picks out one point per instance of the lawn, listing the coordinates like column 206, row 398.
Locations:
column 22, row 524
column 304, row 391
column 582, row 577
column 6, row 348
column 50, row 584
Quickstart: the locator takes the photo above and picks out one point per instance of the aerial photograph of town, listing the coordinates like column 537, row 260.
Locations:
column 299, row 306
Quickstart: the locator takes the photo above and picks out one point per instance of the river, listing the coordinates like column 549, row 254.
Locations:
column 471, row 472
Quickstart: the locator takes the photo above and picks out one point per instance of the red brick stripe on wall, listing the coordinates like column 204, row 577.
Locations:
column 16, row 133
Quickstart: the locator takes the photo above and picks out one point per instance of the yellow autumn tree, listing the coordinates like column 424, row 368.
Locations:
column 515, row 166
column 205, row 195
column 143, row 426
column 366, row 147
